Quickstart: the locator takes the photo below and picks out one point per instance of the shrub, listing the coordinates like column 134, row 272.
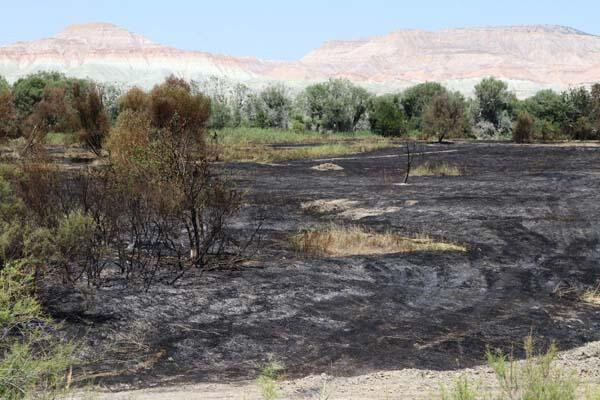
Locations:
column 463, row 389
column 8, row 118
column 87, row 101
column 533, row 379
column 135, row 100
column 32, row 362
column 523, row 129
column 582, row 129
column 267, row 380
column 129, row 138
column 73, row 241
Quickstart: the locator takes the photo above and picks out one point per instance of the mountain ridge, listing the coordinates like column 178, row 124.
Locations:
column 529, row 57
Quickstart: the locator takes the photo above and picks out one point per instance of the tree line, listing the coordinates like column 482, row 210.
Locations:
column 49, row 101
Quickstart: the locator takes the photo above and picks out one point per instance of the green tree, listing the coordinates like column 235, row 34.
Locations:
column 277, row 105
column 335, row 105
column 446, row 116
column 386, row 115
column 29, row 90
column 493, row 99
column 547, row 105
column 416, row 99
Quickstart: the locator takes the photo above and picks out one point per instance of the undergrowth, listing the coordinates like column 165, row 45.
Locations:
column 33, row 364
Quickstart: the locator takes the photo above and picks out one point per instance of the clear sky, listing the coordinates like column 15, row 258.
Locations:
column 277, row 29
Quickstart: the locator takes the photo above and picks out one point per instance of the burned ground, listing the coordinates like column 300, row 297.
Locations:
column 529, row 215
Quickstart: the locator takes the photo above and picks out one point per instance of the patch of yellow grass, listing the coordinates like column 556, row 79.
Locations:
column 591, row 296
column 443, row 169
column 338, row 241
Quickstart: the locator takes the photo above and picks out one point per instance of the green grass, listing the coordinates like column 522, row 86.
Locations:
column 252, row 144
column 267, row 380
column 534, row 378
column 279, row 136
column 60, row 139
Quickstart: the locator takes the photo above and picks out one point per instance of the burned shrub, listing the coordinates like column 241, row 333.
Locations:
column 87, row 101
column 8, row 116
column 157, row 210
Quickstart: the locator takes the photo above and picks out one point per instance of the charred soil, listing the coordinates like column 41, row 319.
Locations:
column 528, row 215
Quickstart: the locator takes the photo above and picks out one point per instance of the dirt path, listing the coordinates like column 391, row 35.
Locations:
column 404, row 384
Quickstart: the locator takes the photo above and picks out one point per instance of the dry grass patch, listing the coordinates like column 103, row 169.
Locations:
column 339, row 241
column 327, row 167
column 443, row 169
column 591, row 296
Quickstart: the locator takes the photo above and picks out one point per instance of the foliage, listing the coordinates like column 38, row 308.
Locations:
column 445, row 116
column 53, row 112
column 87, row 101
column 386, row 116
column 416, row 99
column 524, row 128
column 336, row 105
column 547, row 105
column 267, row 380
column 29, row 90
column 533, row 379
column 135, row 100
column 493, row 99
column 32, row 362
column 462, row 389
column 4, row 86
column 12, row 211
column 129, row 137
column 8, row 116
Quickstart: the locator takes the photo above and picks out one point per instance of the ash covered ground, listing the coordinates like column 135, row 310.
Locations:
column 528, row 214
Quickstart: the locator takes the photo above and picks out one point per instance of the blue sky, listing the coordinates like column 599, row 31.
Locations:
column 283, row 30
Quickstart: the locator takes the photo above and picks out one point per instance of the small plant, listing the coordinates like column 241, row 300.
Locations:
column 267, row 380
column 535, row 378
column 32, row 363
column 462, row 389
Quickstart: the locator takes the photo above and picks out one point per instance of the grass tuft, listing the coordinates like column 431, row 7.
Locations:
column 338, row 241
column 443, row 169
column 591, row 296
